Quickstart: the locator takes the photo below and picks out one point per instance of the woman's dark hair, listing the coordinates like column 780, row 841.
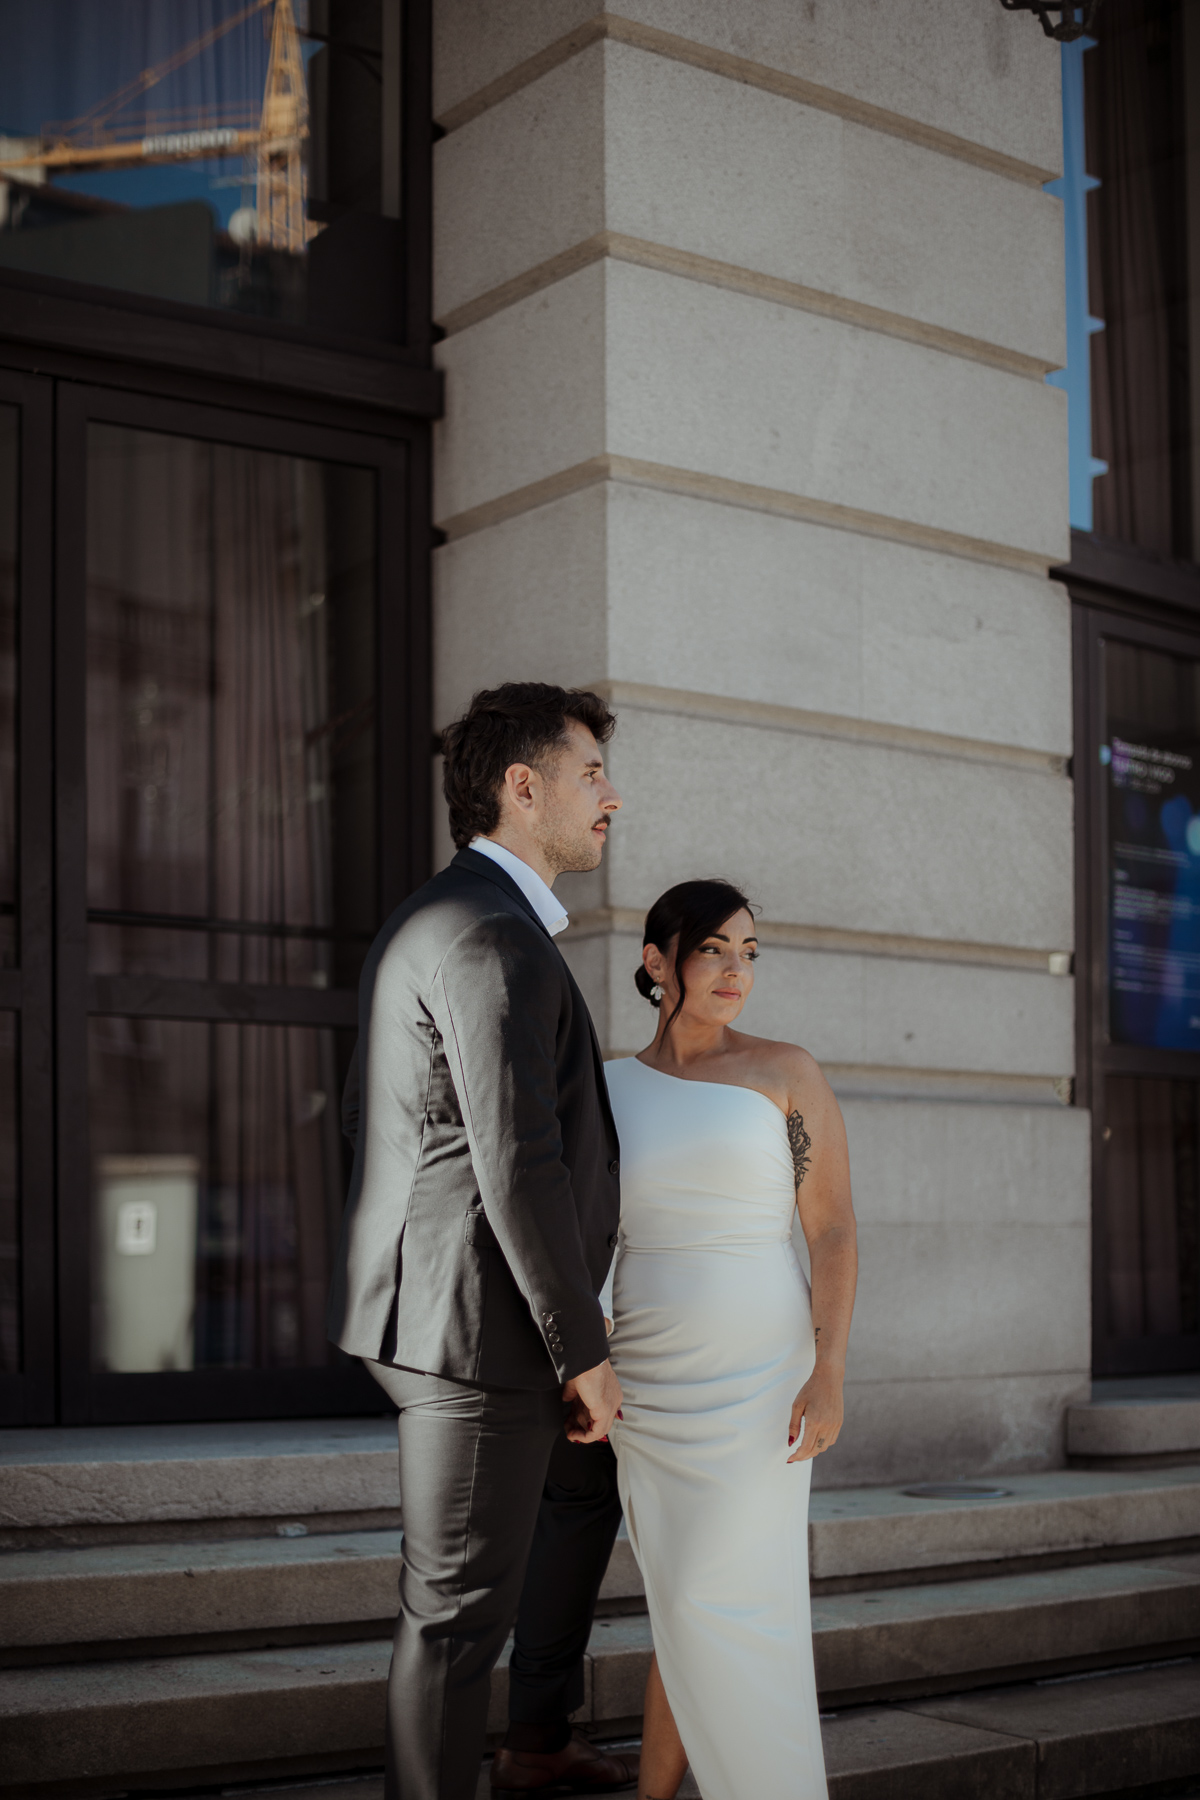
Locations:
column 691, row 912
column 521, row 722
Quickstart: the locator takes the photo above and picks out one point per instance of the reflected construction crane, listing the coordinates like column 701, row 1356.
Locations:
column 271, row 139
column 279, row 190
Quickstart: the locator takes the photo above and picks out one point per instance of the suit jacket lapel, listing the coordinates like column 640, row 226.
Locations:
column 491, row 871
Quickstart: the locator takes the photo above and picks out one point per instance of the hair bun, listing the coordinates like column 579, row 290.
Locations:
column 645, row 984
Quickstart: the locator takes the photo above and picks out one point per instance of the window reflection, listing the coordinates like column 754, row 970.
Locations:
column 218, row 1182
column 1141, row 87
column 231, row 712
column 241, row 154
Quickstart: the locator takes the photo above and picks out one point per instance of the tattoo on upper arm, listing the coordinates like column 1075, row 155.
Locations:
column 801, row 1144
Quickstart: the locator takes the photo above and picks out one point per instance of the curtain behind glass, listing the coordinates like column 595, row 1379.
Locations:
column 1137, row 243
column 208, row 706
column 230, row 759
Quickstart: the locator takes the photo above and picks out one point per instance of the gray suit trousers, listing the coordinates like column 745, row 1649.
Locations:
column 473, row 1465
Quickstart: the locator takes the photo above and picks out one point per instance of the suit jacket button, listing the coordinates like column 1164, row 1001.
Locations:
column 612, row 1240
column 614, row 1166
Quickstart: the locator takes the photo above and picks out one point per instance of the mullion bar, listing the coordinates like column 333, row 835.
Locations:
column 244, row 430
column 98, row 915
column 392, row 803
column 70, row 735
column 416, row 76
column 163, row 997
column 70, row 316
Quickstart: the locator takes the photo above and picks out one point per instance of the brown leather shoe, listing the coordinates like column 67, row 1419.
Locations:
column 582, row 1768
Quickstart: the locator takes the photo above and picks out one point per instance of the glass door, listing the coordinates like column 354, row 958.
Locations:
column 225, row 763
column 1141, row 819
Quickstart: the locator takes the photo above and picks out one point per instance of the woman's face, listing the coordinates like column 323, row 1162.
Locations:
column 718, row 976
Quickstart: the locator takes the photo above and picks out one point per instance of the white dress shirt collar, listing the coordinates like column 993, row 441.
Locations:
column 539, row 896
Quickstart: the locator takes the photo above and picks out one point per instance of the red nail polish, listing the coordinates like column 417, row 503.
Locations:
column 620, row 1414
column 791, row 1441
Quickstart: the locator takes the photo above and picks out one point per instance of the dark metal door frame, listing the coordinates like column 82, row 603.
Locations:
column 1096, row 620
column 26, row 990
column 403, row 802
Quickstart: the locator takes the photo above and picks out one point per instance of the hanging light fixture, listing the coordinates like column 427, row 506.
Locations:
column 1076, row 21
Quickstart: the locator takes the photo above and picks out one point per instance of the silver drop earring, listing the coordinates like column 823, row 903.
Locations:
column 656, row 992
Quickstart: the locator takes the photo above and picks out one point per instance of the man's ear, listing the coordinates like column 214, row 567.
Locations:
column 517, row 785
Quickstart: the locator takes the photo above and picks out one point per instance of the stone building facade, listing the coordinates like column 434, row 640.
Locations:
column 748, row 312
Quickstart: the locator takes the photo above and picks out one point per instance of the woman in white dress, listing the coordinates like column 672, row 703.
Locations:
column 732, row 1380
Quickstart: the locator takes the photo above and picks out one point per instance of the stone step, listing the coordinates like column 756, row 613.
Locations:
column 100, row 1487
column 936, row 1638
column 131, row 1594
column 82, row 1485
column 276, row 1710
column 1105, row 1734
column 922, row 1640
column 181, row 1719
column 1145, row 1420
column 1059, row 1515
column 129, row 1598
column 122, row 1599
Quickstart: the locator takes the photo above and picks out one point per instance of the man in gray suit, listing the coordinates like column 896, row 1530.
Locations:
column 479, row 1229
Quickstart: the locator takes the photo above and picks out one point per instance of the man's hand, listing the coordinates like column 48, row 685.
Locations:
column 594, row 1399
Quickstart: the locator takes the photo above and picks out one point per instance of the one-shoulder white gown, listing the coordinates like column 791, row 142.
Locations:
column 713, row 1337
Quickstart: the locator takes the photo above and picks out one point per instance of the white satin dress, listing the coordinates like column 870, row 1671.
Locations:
column 712, row 1339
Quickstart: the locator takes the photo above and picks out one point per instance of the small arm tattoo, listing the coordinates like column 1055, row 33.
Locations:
column 801, row 1144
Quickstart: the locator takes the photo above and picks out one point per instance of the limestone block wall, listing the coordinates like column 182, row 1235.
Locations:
column 748, row 308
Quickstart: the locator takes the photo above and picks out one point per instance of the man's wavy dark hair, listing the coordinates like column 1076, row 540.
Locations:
column 521, row 722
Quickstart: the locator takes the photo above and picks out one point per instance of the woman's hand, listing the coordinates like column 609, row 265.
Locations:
column 819, row 1404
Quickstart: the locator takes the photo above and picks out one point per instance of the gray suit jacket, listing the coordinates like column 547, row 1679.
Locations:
column 484, row 1199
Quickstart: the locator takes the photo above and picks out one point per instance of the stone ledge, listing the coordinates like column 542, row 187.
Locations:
column 120, row 1475
column 929, row 1640
column 923, row 1640
column 1150, row 1426
column 875, row 1753
column 1117, row 1731
column 135, row 1591
column 129, row 1593
column 248, row 1477
column 873, row 1531
column 1040, row 1741
column 135, row 1718
column 894, row 1644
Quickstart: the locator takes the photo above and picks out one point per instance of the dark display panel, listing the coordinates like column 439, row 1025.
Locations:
column 1151, row 756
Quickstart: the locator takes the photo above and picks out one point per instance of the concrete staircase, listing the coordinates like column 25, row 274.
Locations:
column 197, row 1607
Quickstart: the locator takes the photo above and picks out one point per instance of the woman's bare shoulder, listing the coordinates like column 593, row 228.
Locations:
column 789, row 1068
